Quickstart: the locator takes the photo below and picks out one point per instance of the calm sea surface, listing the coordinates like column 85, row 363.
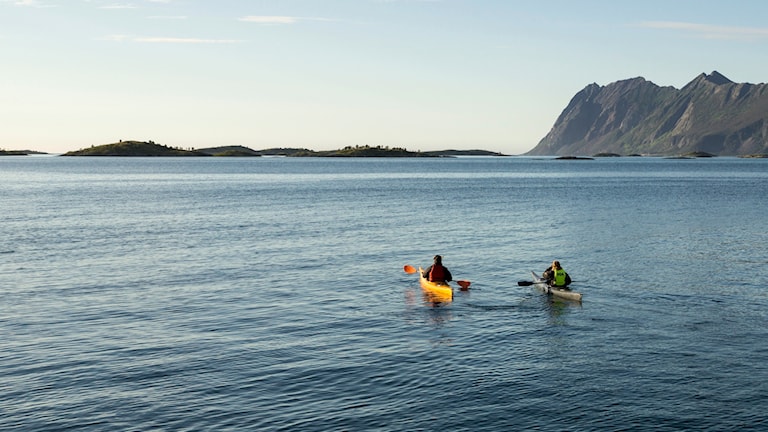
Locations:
column 231, row 294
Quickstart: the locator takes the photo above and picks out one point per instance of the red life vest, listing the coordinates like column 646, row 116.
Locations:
column 436, row 274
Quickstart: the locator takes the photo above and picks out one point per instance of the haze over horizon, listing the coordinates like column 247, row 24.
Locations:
column 419, row 74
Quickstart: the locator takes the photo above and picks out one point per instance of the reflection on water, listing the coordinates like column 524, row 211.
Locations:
column 429, row 298
column 558, row 308
column 436, row 300
column 436, row 310
column 439, row 315
column 202, row 293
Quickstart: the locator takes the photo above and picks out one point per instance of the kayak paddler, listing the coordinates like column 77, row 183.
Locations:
column 556, row 276
column 437, row 272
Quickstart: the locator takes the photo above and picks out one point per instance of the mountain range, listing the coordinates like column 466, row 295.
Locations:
column 710, row 114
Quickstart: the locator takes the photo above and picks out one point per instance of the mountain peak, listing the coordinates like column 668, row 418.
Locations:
column 715, row 78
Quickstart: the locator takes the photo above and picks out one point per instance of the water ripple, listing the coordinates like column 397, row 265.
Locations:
column 269, row 295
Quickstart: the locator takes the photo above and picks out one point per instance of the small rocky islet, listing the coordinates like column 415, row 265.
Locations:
column 152, row 149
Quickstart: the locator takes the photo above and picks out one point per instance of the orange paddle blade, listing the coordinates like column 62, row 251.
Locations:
column 464, row 284
column 409, row 269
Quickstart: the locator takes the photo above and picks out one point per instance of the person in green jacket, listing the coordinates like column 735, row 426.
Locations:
column 556, row 276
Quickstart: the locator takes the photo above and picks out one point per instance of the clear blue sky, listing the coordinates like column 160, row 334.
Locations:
column 324, row 74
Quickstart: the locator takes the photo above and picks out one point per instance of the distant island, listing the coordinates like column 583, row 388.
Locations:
column 230, row 151
column 379, row 151
column 152, row 149
column 18, row 152
column 136, row 149
column 12, row 153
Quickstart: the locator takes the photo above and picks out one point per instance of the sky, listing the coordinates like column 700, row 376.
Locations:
column 326, row 74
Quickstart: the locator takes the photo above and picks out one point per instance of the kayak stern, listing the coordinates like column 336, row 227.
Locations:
column 439, row 291
column 563, row 293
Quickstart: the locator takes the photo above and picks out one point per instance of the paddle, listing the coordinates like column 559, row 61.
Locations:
column 529, row 283
column 464, row 284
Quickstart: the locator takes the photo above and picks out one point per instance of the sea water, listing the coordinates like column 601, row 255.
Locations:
column 269, row 294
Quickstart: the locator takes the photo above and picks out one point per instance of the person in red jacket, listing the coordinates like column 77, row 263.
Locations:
column 437, row 272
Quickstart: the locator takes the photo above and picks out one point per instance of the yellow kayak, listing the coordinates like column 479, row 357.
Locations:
column 437, row 291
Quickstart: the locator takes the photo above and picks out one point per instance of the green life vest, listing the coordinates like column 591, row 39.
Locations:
column 560, row 277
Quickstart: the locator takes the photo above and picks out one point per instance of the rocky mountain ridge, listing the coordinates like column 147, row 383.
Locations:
column 710, row 114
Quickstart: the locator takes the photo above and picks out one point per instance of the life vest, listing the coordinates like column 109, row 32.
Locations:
column 436, row 273
column 559, row 277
